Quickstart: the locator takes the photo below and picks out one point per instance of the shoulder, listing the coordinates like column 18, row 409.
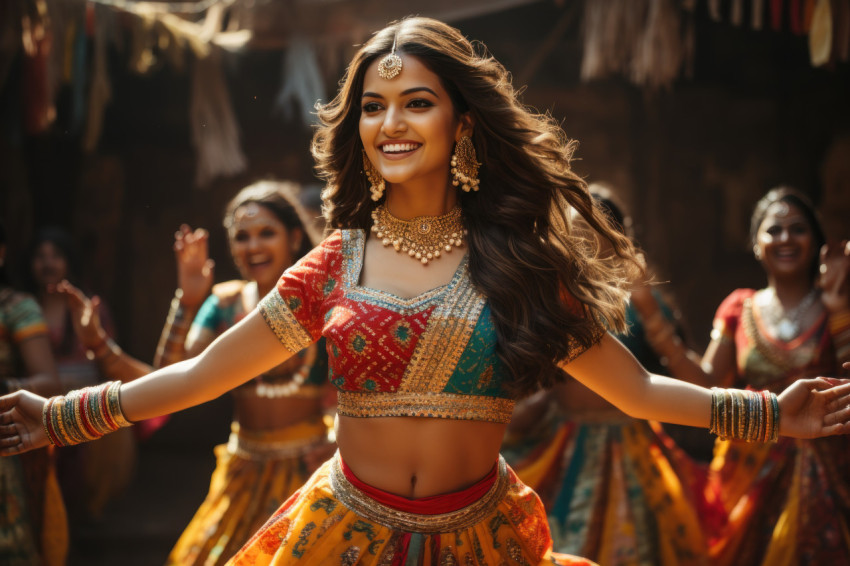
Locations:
column 733, row 305
column 21, row 314
column 17, row 302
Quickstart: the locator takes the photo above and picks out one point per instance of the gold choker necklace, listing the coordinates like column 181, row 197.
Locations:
column 424, row 237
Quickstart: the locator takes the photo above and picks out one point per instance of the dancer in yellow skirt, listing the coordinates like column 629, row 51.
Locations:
column 615, row 488
column 279, row 434
column 428, row 346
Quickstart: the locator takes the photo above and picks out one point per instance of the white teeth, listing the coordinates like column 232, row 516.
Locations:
column 399, row 147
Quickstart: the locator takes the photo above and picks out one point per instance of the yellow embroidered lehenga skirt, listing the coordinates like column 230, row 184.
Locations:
column 617, row 490
column 331, row 522
column 255, row 473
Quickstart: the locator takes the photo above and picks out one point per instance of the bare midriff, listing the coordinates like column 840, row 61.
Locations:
column 261, row 413
column 418, row 457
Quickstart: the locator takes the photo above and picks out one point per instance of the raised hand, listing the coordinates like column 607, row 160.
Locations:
column 834, row 280
column 194, row 266
column 811, row 408
column 21, row 427
column 84, row 315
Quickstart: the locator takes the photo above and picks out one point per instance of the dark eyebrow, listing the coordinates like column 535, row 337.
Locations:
column 404, row 93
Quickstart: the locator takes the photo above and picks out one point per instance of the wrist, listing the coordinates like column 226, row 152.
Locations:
column 103, row 350
column 182, row 302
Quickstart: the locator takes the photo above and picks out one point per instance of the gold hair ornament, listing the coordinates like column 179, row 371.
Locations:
column 390, row 66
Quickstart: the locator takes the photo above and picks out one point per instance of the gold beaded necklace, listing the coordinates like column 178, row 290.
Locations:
column 423, row 238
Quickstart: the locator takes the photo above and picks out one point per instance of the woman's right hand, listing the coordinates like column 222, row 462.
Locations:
column 194, row 266
column 21, row 428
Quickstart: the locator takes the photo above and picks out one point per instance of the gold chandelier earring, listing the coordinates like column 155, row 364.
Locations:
column 465, row 165
column 376, row 182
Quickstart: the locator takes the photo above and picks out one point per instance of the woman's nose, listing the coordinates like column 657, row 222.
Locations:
column 393, row 121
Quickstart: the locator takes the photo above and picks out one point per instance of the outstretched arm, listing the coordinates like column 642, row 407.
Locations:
column 110, row 358
column 808, row 408
column 246, row 350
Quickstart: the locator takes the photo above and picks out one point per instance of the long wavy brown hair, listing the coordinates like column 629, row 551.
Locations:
column 524, row 251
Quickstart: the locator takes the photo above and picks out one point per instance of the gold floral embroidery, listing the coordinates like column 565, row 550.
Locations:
column 438, row 405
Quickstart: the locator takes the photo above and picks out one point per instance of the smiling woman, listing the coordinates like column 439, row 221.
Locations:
column 429, row 357
column 797, row 326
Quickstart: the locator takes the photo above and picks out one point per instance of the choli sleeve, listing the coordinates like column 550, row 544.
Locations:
column 728, row 315
column 294, row 309
column 206, row 323
column 575, row 348
column 24, row 319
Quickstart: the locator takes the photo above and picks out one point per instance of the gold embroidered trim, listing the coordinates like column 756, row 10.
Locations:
column 446, row 335
column 785, row 360
column 283, row 323
column 381, row 514
column 415, row 404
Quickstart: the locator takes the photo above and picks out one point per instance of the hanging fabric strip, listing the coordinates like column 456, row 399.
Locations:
column 302, row 82
column 795, row 17
column 737, row 16
column 776, row 15
column 820, row 36
column 757, row 14
column 100, row 90
column 215, row 131
column 808, row 13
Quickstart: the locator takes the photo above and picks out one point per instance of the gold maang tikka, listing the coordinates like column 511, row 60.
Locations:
column 390, row 66
column 423, row 238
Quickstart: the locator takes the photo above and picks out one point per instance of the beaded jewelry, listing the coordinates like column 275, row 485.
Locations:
column 465, row 165
column 424, row 237
column 390, row 66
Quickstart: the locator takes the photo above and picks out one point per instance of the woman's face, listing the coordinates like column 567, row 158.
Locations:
column 785, row 243
column 408, row 124
column 49, row 265
column 261, row 245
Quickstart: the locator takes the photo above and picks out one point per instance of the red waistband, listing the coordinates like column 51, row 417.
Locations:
column 432, row 505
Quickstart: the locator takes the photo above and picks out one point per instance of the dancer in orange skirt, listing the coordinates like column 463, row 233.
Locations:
column 428, row 154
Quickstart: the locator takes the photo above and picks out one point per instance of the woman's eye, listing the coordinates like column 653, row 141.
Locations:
column 371, row 107
column 240, row 236
column 268, row 233
column 420, row 103
column 774, row 230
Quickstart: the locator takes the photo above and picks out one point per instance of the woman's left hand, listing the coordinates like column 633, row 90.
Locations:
column 834, row 280
column 811, row 408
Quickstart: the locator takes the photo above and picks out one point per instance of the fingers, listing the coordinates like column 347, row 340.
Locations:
column 10, row 441
column 8, row 402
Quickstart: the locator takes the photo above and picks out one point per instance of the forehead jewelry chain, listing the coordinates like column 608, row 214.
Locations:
column 423, row 238
column 390, row 66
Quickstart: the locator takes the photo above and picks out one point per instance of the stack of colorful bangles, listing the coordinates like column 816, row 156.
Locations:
column 744, row 415
column 84, row 414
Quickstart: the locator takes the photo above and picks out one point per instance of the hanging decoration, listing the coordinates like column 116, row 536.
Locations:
column 302, row 82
